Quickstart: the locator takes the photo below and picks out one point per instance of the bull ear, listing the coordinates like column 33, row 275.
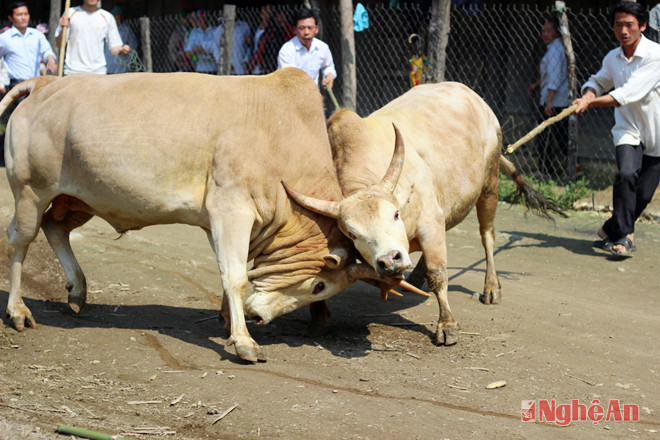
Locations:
column 324, row 207
column 396, row 164
column 336, row 259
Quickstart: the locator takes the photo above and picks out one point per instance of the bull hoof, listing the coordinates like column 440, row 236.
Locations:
column 76, row 303
column 446, row 334
column 249, row 352
column 490, row 297
column 77, row 297
column 21, row 317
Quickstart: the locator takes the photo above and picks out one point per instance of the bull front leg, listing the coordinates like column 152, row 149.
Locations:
column 447, row 330
column 433, row 241
column 230, row 238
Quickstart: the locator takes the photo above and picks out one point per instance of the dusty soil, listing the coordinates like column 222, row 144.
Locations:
column 148, row 355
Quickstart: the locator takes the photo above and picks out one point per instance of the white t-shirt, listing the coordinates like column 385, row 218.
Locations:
column 86, row 35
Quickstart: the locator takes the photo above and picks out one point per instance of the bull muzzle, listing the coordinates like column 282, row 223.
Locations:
column 391, row 264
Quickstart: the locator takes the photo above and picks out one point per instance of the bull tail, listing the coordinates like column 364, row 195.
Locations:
column 23, row 89
column 531, row 198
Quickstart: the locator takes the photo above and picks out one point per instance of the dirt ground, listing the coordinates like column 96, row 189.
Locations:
column 147, row 357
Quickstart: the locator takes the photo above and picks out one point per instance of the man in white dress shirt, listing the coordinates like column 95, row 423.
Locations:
column 629, row 81
column 306, row 52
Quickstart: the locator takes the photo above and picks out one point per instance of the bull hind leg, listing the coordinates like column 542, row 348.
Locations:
column 21, row 231
column 486, row 208
column 57, row 224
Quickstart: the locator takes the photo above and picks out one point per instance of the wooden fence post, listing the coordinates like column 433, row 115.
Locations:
column 145, row 41
column 438, row 39
column 565, row 32
column 348, row 55
column 227, row 39
column 53, row 23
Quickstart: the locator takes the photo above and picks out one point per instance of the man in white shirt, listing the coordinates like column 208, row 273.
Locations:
column 89, row 27
column 306, row 52
column 629, row 81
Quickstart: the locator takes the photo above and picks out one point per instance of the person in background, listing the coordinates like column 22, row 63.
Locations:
column 654, row 23
column 89, row 27
column 21, row 49
column 629, row 81
column 44, row 29
column 273, row 31
column 127, row 36
column 201, row 46
column 306, row 52
column 176, row 44
column 553, row 98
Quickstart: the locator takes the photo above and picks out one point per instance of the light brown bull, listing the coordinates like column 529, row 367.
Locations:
column 208, row 151
column 452, row 160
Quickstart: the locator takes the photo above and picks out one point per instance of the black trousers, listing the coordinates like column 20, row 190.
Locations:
column 633, row 189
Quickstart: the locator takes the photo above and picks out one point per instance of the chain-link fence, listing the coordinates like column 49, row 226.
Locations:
column 495, row 50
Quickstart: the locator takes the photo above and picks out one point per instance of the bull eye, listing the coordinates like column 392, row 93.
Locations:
column 320, row 286
column 351, row 236
column 396, row 216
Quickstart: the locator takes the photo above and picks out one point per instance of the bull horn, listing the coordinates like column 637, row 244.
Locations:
column 366, row 273
column 396, row 165
column 324, row 207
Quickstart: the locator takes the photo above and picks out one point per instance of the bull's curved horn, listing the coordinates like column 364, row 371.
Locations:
column 396, row 164
column 324, row 207
column 364, row 272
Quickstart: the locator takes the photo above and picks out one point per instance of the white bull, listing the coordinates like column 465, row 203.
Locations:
column 208, row 151
column 452, row 160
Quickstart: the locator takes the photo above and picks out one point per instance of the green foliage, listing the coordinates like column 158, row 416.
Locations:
column 565, row 196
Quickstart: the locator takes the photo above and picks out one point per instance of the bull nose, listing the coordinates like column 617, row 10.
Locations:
column 391, row 264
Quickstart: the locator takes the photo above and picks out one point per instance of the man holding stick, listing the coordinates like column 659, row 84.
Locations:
column 89, row 27
column 628, row 81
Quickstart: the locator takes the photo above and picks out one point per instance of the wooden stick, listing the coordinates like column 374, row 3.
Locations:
column 332, row 96
column 85, row 433
column 542, row 126
column 222, row 416
column 60, row 67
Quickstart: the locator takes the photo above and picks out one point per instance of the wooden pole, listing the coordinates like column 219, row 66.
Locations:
column 145, row 41
column 60, row 66
column 348, row 55
column 572, row 88
column 438, row 40
column 227, row 39
column 53, row 22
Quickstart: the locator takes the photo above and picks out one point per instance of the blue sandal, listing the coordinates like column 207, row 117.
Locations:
column 627, row 245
